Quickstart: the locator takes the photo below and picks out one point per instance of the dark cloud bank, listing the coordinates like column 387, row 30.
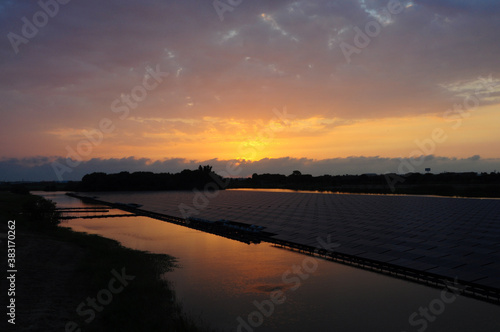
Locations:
column 41, row 168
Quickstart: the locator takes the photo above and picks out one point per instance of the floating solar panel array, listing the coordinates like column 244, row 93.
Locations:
column 452, row 237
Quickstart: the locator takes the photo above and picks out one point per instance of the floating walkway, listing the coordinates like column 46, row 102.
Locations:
column 68, row 210
column 82, row 209
column 78, row 210
column 99, row 216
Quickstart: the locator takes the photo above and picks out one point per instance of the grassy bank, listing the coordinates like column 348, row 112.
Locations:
column 141, row 299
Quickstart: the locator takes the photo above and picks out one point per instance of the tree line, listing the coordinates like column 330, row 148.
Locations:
column 141, row 181
column 448, row 184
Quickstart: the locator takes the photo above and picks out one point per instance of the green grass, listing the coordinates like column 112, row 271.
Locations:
column 146, row 304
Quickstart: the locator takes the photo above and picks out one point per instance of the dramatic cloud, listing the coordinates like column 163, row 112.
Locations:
column 176, row 81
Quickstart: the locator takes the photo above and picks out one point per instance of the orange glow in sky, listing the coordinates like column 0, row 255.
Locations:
column 299, row 80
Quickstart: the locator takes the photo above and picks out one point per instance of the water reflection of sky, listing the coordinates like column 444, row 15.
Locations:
column 219, row 279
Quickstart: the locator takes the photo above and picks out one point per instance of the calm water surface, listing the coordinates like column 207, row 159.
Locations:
column 223, row 283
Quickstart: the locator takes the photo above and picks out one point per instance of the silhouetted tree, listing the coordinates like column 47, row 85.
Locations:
column 42, row 211
column 185, row 180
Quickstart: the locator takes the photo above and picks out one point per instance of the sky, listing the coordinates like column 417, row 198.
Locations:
column 325, row 87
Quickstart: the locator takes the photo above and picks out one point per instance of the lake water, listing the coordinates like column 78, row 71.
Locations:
column 229, row 285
